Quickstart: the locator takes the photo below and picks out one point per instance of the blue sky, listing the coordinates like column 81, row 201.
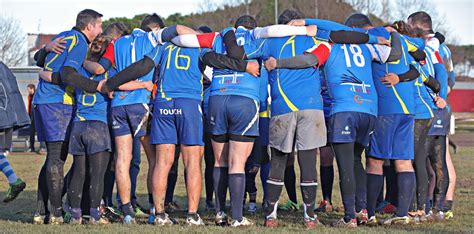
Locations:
column 54, row 16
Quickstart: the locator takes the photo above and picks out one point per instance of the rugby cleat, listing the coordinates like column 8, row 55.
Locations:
column 14, row 190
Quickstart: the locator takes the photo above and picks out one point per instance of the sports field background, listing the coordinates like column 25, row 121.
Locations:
column 17, row 215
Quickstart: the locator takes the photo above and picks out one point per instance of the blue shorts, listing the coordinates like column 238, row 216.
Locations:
column 393, row 137
column 177, row 121
column 346, row 127
column 130, row 119
column 441, row 123
column 264, row 126
column 232, row 114
column 53, row 121
column 89, row 137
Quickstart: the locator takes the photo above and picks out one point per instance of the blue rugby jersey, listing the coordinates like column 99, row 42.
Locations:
column 424, row 102
column 398, row 99
column 327, row 100
column 127, row 50
column 73, row 56
column 348, row 73
column 290, row 89
column 263, row 93
column 181, row 71
column 93, row 106
column 445, row 54
column 229, row 82
column 435, row 67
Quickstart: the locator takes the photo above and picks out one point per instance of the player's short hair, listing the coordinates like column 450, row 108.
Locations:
column 151, row 21
column 31, row 86
column 205, row 29
column 86, row 17
column 358, row 20
column 289, row 15
column 246, row 21
column 116, row 30
column 421, row 19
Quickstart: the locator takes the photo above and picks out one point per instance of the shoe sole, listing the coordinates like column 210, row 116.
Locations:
column 21, row 188
column 38, row 222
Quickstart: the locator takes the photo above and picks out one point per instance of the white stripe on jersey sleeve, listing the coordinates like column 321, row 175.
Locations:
column 155, row 37
column 380, row 53
column 279, row 30
column 186, row 40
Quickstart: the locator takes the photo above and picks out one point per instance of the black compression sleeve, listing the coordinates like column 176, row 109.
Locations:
column 132, row 72
column 396, row 51
column 221, row 61
column 348, row 37
column 440, row 37
column 232, row 48
column 71, row 77
column 40, row 57
column 299, row 61
column 168, row 33
column 433, row 84
column 56, row 78
column 418, row 55
column 410, row 75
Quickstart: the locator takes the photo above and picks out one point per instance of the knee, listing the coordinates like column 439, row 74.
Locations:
column 54, row 167
column 222, row 161
column 167, row 163
column 375, row 166
column 327, row 158
column 404, row 166
column 80, row 171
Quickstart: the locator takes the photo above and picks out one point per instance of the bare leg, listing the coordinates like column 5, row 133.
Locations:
column 164, row 162
column 151, row 157
column 122, row 166
column 452, row 175
column 192, row 158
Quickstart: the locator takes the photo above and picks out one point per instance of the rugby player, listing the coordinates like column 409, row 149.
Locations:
column 436, row 141
column 53, row 111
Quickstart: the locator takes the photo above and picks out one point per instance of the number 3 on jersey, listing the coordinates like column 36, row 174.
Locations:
column 177, row 57
column 357, row 56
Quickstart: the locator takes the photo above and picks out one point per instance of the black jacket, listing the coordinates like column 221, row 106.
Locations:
column 13, row 113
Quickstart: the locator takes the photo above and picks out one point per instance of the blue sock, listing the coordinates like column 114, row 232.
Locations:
column 428, row 205
column 150, row 199
column 94, row 213
column 76, row 213
column 374, row 186
column 349, row 207
column 127, row 209
column 406, row 188
column 237, row 192
column 264, row 172
column 7, row 169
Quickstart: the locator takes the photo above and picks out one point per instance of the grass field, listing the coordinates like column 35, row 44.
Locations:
column 17, row 215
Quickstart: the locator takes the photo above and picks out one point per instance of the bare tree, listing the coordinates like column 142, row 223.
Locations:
column 393, row 10
column 12, row 42
column 207, row 6
column 364, row 6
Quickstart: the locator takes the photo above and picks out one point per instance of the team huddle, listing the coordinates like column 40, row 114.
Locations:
column 246, row 98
